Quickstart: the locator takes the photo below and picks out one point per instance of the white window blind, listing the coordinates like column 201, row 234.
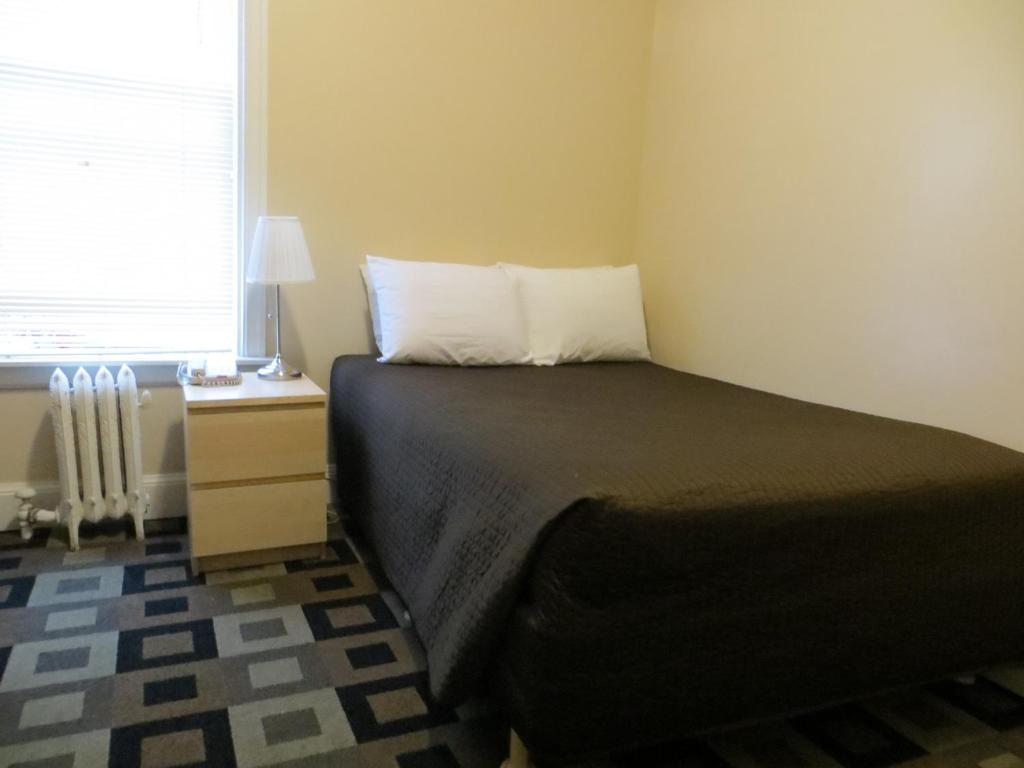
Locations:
column 118, row 168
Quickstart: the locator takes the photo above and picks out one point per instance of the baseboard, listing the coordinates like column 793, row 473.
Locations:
column 166, row 497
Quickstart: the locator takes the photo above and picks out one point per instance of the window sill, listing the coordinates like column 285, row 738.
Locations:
column 148, row 373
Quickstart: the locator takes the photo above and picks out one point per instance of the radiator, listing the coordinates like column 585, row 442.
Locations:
column 99, row 453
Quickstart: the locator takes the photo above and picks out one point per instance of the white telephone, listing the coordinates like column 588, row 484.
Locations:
column 214, row 371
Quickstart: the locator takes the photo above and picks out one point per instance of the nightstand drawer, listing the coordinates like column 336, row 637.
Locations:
column 252, row 517
column 232, row 444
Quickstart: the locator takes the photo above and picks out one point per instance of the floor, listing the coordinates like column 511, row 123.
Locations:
column 118, row 655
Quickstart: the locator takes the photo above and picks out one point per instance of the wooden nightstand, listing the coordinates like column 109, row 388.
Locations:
column 256, row 462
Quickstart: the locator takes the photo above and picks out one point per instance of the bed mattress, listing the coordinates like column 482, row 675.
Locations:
column 630, row 553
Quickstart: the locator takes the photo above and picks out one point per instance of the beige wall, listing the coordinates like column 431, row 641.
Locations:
column 464, row 130
column 454, row 130
column 27, row 451
column 832, row 203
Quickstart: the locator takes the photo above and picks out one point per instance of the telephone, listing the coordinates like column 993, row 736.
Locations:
column 214, row 371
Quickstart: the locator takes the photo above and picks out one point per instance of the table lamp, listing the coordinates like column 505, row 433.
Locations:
column 279, row 255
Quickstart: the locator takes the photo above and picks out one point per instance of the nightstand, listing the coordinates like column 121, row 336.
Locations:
column 256, row 459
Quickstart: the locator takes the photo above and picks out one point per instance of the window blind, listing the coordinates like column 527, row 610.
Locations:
column 118, row 167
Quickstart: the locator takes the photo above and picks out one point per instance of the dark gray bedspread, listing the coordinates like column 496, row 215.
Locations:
column 456, row 474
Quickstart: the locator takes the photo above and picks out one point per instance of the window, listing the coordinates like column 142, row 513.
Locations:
column 119, row 178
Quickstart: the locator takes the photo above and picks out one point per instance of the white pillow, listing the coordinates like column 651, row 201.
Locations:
column 582, row 315
column 371, row 300
column 447, row 314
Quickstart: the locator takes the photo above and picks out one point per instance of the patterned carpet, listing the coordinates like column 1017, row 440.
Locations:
column 117, row 655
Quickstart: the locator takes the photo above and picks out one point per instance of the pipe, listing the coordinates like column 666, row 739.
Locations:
column 29, row 514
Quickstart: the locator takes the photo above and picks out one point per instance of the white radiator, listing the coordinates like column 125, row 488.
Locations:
column 99, row 453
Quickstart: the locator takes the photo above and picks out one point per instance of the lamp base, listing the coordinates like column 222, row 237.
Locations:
column 278, row 370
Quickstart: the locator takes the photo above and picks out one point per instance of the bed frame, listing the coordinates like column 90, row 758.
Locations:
column 518, row 755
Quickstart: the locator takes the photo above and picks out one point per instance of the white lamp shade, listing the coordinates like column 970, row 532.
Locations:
column 279, row 252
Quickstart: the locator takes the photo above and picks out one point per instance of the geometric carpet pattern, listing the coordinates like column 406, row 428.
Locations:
column 118, row 655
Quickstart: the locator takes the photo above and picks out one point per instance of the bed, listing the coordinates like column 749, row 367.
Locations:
column 626, row 554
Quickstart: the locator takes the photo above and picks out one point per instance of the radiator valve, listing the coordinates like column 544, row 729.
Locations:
column 29, row 514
